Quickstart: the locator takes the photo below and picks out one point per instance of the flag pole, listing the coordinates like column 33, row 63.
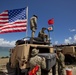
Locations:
column 27, row 20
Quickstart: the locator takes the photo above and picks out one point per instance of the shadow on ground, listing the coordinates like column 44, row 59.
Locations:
column 2, row 73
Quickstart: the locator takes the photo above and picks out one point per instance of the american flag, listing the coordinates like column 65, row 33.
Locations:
column 13, row 20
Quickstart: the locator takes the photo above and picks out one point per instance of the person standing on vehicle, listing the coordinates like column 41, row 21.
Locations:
column 42, row 35
column 33, row 24
column 60, row 60
column 36, row 63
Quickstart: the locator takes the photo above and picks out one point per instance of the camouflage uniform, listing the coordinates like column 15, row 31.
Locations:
column 37, row 60
column 33, row 24
column 42, row 35
column 60, row 60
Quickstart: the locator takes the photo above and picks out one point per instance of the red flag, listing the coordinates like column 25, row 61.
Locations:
column 51, row 21
column 13, row 21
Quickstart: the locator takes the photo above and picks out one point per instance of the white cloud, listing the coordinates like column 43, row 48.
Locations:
column 75, row 38
column 70, row 40
column 5, row 43
column 72, row 30
column 67, row 41
column 56, row 42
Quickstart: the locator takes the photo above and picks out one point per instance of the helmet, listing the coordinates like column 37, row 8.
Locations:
column 34, row 52
column 44, row 28
column 35, row 16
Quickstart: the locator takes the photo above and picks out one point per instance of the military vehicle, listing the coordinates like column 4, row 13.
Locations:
column 21, row 53
column 69, row 51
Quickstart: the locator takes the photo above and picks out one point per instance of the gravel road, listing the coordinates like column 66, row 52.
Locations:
column 12, row 71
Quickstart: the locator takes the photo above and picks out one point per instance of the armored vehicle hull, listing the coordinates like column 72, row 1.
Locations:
column 21, row 54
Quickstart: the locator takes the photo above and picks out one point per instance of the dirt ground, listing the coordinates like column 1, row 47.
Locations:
column 3, row 62
column 4, row 71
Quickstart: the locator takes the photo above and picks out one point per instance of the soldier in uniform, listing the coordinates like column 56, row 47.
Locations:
column 36, row 60
column 33, row 24
column 60, row 61
column 42, row 34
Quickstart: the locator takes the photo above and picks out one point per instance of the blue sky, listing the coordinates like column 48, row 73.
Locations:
column 63, row 12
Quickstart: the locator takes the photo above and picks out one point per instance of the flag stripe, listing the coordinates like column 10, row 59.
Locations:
column 1, row 23
column 12, row 27
column 4, row 14
column 13, row 30
column 3, row 19
column 9, row 31
column 14, row 23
